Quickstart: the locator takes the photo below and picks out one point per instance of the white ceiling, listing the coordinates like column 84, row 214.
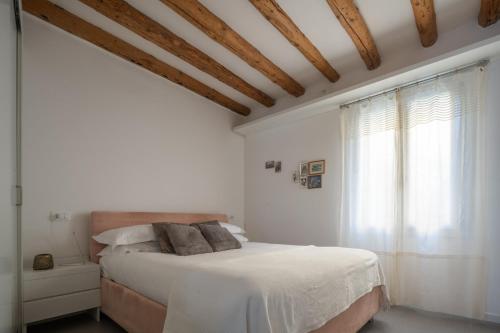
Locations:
column 391, row 23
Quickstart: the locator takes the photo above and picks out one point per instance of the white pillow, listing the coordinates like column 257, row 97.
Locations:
column 241, row 238
column 151, row 246
column 234, row 229
column 127, row 235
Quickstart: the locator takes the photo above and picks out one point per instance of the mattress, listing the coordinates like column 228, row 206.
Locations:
column 258, row 288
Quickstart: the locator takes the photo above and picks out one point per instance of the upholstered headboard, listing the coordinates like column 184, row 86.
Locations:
column 102, row 221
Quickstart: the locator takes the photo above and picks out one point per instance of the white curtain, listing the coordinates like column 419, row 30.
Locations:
column 412, row 191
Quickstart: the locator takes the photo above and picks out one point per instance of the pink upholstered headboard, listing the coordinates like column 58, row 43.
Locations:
column 102, row 221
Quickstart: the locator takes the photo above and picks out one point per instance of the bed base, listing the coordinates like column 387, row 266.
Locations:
column 139, row 314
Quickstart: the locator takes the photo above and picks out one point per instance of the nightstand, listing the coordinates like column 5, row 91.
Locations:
column 60, row 291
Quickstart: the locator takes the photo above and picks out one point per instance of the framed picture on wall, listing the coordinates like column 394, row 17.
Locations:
column 314, row 181
column 303, row 181
column 277, row 166
column 303, row 169
column 316, row 167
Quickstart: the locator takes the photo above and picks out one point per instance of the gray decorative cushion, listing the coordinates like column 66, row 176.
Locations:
column 160, row 231
column 187, row 240
column 197, row 224
column 219, row 238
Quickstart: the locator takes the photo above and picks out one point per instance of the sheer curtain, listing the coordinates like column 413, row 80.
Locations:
column 412, row 191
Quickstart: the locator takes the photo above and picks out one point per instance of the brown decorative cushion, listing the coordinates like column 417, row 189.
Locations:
column 160, row 231
column 187, row 240
column 219, row 238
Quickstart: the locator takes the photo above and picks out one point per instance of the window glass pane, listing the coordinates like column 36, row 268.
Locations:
column 428, row 169
column 376, row 182
column 428, row 176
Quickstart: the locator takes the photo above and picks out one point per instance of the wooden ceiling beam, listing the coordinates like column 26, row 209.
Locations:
column 489, row 12
column 272, row 11
column 351, row 19
column 71, row 23
column 198, row 15
column 129, row 17
column 425, row 19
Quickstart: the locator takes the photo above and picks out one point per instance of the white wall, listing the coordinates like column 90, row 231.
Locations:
column 100, row 133
column 277, row 210
column 493, row 185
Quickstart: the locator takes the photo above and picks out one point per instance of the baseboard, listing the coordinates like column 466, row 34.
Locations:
column 489, row 318
column 495, row 318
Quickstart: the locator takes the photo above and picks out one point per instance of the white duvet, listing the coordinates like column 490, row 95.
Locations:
column 257, row 289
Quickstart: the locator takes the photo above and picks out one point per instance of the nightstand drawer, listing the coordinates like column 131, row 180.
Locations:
column 60, row 285
column 61, row 305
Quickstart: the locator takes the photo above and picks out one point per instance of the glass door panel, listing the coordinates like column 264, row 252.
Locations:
column 8, row 217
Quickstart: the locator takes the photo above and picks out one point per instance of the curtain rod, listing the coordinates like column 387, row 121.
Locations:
column 480, row 63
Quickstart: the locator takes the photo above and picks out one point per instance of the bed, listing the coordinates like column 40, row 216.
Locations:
column 253, row 289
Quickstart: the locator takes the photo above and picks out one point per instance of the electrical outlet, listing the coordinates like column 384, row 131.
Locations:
column 60, row 216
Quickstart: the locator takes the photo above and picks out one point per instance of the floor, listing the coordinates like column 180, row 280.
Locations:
column 397, row 320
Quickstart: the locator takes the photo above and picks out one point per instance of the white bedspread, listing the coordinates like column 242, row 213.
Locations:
column 260, row 288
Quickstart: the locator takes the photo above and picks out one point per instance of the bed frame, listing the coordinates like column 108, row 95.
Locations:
column 139, row 314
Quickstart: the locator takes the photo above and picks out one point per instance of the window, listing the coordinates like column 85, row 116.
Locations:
column 412, row 191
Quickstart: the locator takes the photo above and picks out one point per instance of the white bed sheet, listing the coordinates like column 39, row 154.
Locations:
column 145, row 272
column 256, row 289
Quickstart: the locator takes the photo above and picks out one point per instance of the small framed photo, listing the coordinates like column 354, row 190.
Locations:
column 316, row 167
column 303, row 181
column 277, row 166
column 269, row 164
column 303, row 169
column 295, row 177
column 314, row 181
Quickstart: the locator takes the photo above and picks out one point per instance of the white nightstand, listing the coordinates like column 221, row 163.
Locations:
column 60, row 291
